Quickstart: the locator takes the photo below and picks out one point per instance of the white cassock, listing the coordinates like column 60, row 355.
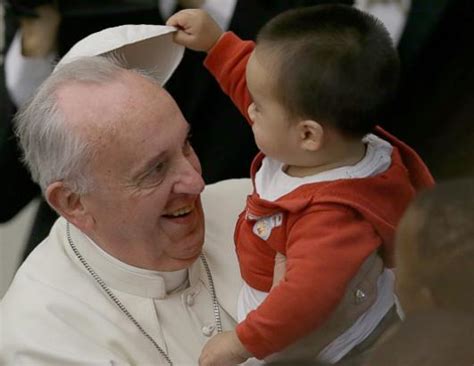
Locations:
column 55, row 313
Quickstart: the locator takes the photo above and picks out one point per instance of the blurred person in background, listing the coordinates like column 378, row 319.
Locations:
column 435, row 273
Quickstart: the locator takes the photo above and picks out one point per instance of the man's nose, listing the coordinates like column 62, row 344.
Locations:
column 189, row 180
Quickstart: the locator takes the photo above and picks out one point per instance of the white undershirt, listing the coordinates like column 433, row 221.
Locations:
column 23, row 75
column 392, row 13
column 271, row 182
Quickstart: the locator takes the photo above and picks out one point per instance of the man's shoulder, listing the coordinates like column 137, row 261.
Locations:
column 232, row 190
column 46, row 312
column 47, row 275
column 222, row 203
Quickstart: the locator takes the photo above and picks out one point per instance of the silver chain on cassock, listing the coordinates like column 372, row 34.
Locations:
column 124, row 310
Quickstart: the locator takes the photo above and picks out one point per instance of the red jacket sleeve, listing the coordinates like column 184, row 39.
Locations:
column 325, row 250
column 227, row 61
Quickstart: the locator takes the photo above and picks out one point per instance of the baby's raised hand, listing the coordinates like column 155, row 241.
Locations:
column 196, row 29
column 223, row 349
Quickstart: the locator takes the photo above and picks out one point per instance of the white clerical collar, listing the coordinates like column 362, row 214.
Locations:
column 126, row 278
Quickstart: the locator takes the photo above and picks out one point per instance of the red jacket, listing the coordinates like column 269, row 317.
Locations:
column 325, row 230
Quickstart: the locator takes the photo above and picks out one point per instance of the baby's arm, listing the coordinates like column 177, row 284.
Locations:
column 199, row 32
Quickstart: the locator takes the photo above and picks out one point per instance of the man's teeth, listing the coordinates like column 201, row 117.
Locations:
column 181, row 211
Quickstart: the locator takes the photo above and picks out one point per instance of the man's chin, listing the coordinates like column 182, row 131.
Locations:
column 176, row 264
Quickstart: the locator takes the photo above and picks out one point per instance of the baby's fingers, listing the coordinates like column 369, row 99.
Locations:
column 196, row 29
column 188, row 20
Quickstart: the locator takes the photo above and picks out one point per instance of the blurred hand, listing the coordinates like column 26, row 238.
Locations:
column 223, row 349
column 39, row 35
column 196, row 29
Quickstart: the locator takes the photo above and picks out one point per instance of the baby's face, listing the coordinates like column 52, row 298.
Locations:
column 273, row 130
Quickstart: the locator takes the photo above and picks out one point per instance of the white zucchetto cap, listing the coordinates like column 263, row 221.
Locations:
column 143, row 46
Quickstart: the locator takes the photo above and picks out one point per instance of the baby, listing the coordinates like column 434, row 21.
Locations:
column 329, row 186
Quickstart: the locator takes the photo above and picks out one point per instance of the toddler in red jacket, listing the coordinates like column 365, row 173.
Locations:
column 329, row 186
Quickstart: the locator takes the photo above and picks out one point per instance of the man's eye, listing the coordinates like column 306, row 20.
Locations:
column 159, row 167
column 156, row 171
column 154, row 176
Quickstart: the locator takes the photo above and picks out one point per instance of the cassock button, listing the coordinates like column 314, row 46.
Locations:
column 190, row 299
column 207, row 330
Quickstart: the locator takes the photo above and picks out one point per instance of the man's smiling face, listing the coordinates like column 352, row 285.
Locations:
column 145, row 208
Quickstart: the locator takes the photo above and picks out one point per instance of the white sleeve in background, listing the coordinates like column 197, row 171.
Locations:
column 23, row 75
column 392, row 13
column 222, row 11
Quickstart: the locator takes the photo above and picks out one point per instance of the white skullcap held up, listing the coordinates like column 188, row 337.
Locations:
column 143, row 46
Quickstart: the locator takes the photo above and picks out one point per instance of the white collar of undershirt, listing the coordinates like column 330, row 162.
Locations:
column 271, row 182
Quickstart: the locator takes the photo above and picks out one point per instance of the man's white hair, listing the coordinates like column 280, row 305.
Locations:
column 52, row 149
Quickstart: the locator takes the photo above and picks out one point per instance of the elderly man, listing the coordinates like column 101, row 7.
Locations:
column 124, row 276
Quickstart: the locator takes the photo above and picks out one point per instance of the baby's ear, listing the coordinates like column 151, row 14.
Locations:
column 310, row 134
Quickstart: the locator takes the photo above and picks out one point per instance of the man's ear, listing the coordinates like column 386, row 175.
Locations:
column 69, row 205
column 310, row 134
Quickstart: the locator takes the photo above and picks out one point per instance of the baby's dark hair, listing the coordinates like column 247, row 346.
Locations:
column 337, row 65
column 444, row 249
